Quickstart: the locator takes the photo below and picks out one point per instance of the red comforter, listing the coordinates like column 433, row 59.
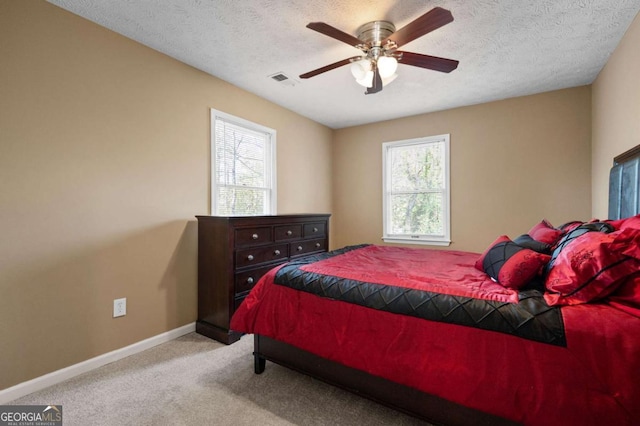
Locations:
column 592, row 380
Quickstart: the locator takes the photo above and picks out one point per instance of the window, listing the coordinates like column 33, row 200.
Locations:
column 243, row 181
column 416, row 191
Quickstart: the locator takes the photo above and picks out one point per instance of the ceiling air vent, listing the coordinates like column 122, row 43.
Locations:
column 283, row 79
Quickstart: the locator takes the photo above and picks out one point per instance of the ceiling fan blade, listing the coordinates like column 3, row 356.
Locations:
column 332, row 32
column 329, row 67
column 430, row 21
column 376, row 85
column 430, row 62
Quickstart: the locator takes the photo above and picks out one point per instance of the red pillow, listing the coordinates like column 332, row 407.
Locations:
column 627, row 296
column 511, row 265
column 590, row 268
column 545, row 233
column 630, row 223
column 630, row 237
column 615, row 223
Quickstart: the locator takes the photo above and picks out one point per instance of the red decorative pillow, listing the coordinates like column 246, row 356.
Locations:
column 630, row 238
column 591, row 267
column 630, row 223
column 615, row 223
column 511, row 265
column 627, row 296
column 545, row 233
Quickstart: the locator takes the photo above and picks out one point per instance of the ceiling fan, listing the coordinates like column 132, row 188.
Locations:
column 379, row 41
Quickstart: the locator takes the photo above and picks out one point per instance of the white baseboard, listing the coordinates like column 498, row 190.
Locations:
column 25, row 388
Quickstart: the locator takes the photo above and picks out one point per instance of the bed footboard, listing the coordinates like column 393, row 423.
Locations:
column 402, row 398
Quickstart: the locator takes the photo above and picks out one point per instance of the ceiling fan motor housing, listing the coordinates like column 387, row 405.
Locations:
column 372, row 34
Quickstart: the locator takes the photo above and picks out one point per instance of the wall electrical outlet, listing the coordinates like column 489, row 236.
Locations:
column 120, row 307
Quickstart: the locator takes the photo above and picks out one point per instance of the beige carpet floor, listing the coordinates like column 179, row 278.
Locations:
column 194, row 380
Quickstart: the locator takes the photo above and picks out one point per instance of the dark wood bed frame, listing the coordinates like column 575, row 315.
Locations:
column 402, row 398
column 624, row 199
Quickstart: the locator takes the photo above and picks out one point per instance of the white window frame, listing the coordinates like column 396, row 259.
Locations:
column 437, row 240
column 270, row 161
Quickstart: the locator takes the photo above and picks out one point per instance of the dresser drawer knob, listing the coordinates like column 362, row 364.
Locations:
column 289, row 233
column 317, row 245
column 254, row 236
column 299, row 248
column 250, row 280
column 250, row 257
column 315, row 229
column 277, row 252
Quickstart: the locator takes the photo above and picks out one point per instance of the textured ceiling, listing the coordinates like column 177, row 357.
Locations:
column 506, row 48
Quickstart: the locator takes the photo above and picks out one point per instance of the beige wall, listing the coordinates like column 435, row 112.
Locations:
column 616, row 113
column 104, row 162
column 513, row 162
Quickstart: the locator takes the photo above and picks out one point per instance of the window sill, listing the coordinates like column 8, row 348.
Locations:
column 426, row 242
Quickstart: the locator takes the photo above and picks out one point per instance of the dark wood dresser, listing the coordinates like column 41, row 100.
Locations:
column 234, row 252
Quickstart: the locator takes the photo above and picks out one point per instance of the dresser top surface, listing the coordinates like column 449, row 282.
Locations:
column 266, row 217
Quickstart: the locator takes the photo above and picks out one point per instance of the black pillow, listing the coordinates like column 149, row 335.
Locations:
column 511, row 265
column 526, row 241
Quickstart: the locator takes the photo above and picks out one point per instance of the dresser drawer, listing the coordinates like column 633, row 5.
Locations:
column 244, row 281
column 253, row 236
column 314, row 230
column 258, row 255
column 287, row 232
column 309, row 246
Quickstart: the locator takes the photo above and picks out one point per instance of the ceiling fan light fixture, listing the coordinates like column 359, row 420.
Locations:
column 387, row 80
column 367, row 80
column 359, row 68
column 362, row 71
column 387, row 65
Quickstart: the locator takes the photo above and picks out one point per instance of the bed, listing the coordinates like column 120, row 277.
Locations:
column 541, row 329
